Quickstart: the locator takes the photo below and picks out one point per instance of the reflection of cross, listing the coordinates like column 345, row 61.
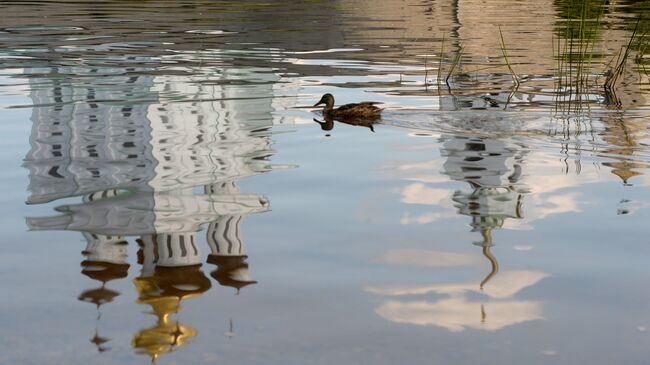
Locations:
column 487, row 244
column 483, row 314
column 231, row 331
column 99, row 341
column 177, row 334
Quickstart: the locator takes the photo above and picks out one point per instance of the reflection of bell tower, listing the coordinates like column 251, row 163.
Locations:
column 105, row 261
column 492, row 168
column 171, row 272
column 226, row 245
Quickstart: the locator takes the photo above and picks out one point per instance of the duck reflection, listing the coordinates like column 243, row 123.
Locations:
column 328, row 123
column 492, row 168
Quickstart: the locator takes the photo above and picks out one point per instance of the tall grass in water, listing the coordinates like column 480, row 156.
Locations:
column 575, row 79
column 455, row 64
column 581, row 80
column 442, row 52
column 513, row 74
column 504, row 51
column 613, row 74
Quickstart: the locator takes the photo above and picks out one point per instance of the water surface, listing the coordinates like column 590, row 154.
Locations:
column 168, row 196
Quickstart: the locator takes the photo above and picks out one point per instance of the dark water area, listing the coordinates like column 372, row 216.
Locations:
column 170, row 194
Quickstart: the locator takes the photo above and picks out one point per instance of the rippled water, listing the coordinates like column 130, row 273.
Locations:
column 168, row 196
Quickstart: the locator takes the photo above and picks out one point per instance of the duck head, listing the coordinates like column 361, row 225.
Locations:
column 328, row 100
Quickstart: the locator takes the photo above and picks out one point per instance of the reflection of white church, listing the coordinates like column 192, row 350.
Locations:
column 139, row 166
column 153, row 170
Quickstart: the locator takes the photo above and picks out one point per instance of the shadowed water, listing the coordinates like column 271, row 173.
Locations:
column 168, row 195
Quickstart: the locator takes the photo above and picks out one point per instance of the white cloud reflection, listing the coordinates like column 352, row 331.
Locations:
column 419, row 193
column 505, row 285
column 457, row 312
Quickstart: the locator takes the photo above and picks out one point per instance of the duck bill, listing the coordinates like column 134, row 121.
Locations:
column 319, row 103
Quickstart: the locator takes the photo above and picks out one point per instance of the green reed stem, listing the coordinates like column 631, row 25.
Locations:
column 513, row 74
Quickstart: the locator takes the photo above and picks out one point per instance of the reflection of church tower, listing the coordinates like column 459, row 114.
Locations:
column 105, row 261
column 158, row 171
column 171, row 272
column 492, row 169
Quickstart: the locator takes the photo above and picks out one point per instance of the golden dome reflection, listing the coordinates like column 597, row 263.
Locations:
column 163, row 292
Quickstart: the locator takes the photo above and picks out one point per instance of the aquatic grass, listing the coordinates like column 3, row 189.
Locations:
column 426, row 73
column 442, row 52
column 574, row 51
column 513, row 74
column 504, row 51
column 613, row 74
column 455, row 63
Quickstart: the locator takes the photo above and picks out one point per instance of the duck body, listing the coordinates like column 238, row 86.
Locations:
column 366, row 111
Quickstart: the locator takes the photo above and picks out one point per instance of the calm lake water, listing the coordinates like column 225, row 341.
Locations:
column 167, row 195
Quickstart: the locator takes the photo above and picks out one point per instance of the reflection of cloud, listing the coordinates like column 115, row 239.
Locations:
column 426, row 217
column 417, row 171
column 421, row 194
column 505, row 285
column 456, row 314
column 427, row 258
column 556, row 204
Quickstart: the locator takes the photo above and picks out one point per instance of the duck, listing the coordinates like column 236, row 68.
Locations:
column 365, row 111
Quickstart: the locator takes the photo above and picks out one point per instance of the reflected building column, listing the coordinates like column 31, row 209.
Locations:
column 226, row 246
column 105, row 260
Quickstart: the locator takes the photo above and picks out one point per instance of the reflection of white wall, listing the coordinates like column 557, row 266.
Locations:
column 197, row 143
column 135, row 214
column 129, row 214
column 162, row 150
column 81, row 147
column 67, row 111
column 206, row 142
column 186, row 212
